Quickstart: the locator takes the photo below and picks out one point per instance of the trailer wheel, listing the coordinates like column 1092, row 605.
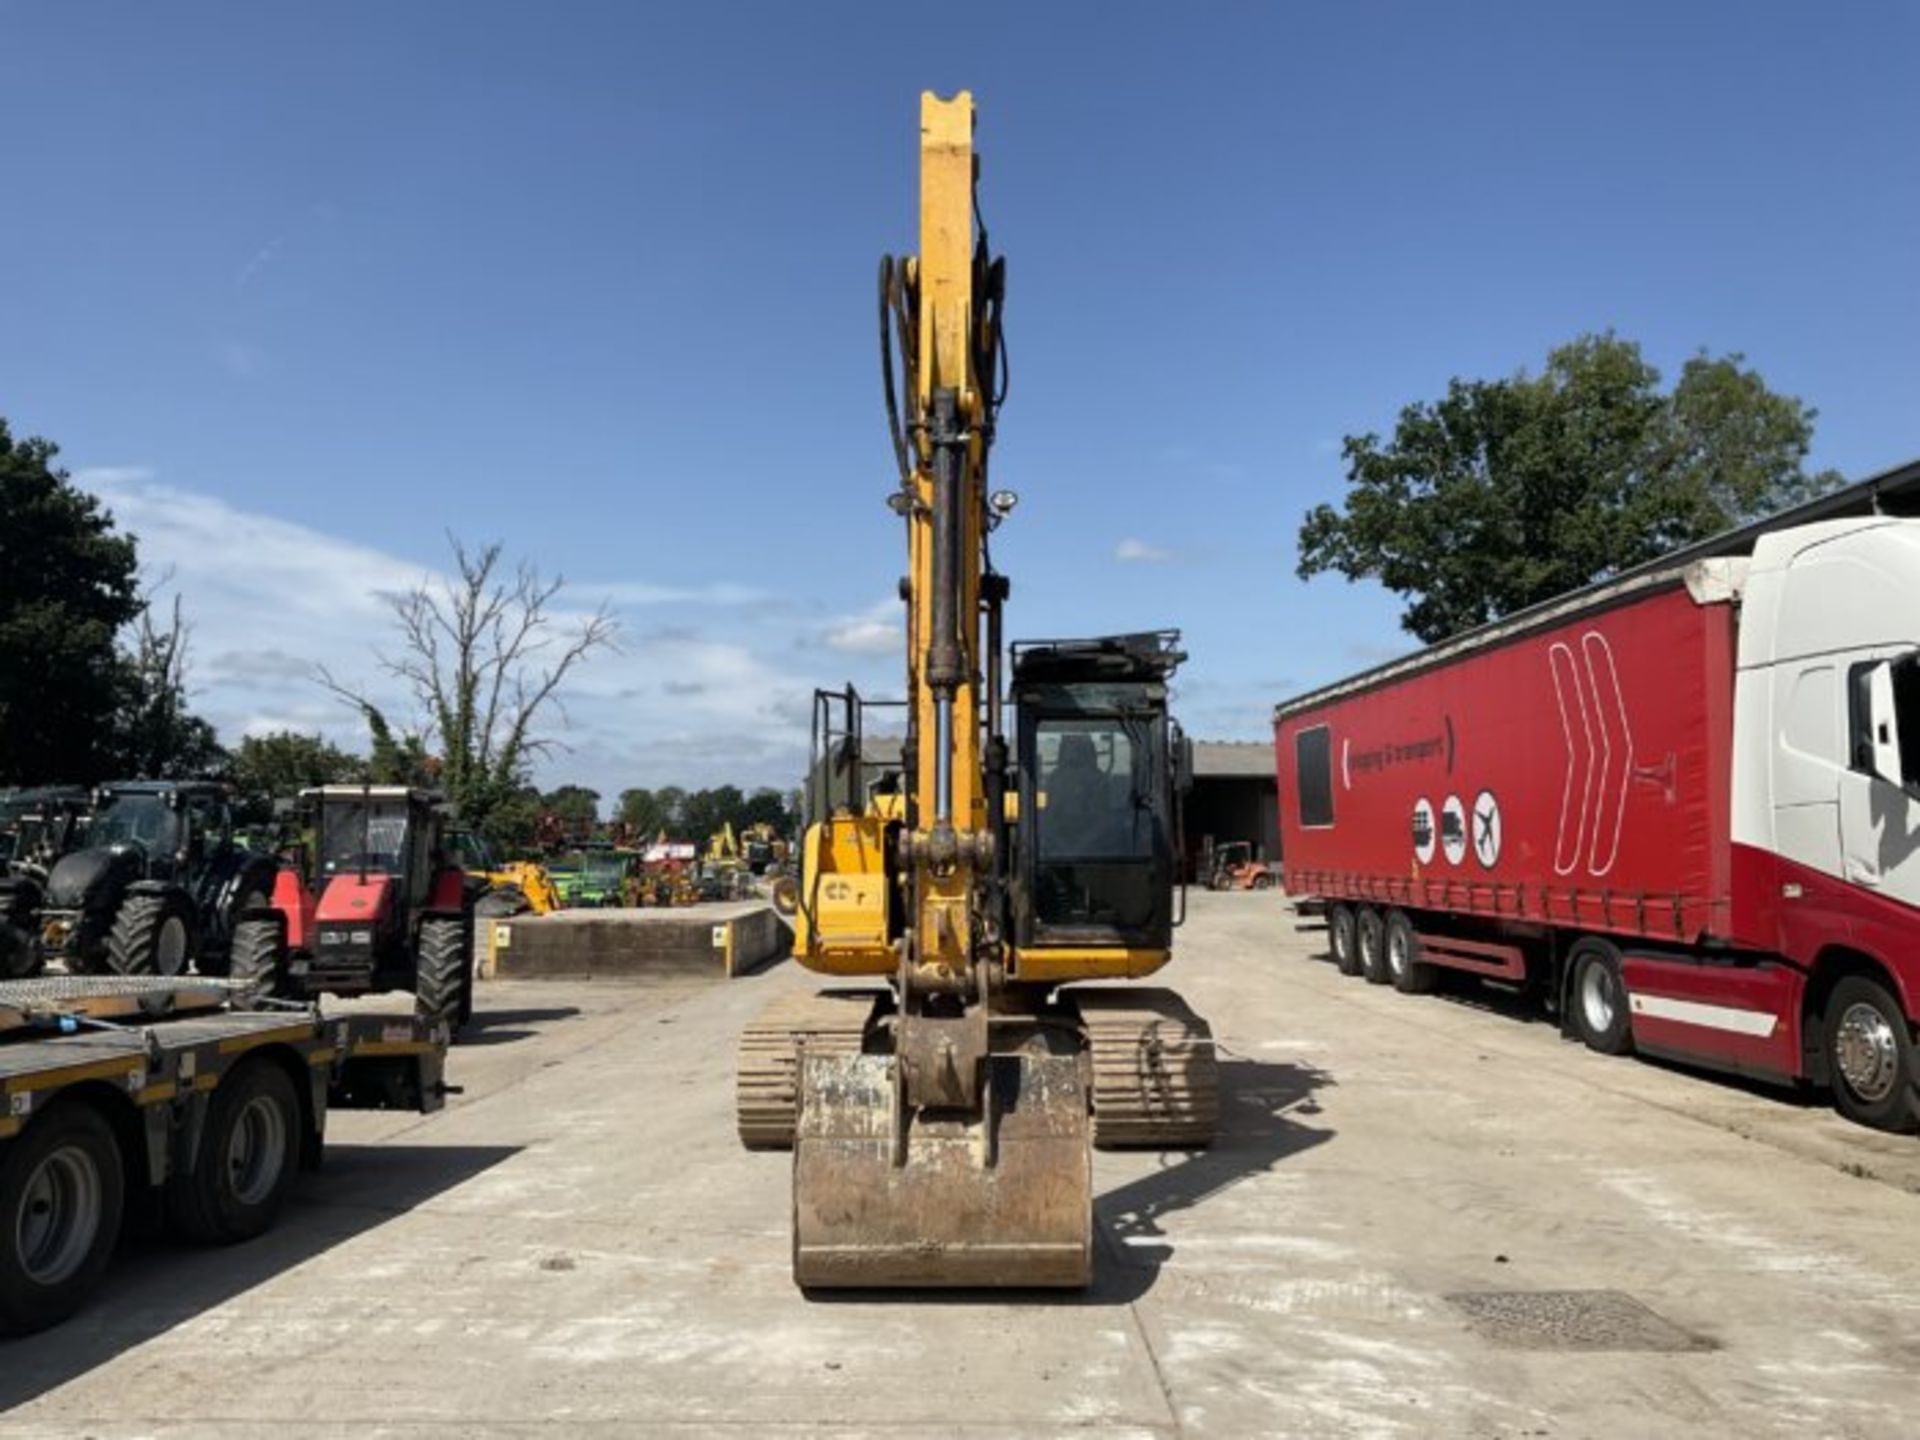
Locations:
column 1597, row 997
column 1370, row 939
column 150, row 936
column 443, row 971
column 1870, row 1051
column 259, row 957
column 1342, row 939
column 1411, row 975
column 249, row 1151
column 62, row 1193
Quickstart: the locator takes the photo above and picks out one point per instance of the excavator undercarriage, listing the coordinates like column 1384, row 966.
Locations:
column 942, row 1115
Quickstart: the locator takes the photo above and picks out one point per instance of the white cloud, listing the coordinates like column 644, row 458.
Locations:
column 879, row 630
column 1139, row 552
column 270, row 601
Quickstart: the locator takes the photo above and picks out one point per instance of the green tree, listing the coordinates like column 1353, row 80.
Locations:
column 767, row 806
column 672, row 803
column 577, row 807
column 67, row 588
column 705, row 811
column 641, row 811
column 266, row 768
column 1504, row 493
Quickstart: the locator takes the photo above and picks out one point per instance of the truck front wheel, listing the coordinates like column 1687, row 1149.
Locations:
column 1597, row 997
column 61, row 1197
column 1870, row 1052
column 1341, row 939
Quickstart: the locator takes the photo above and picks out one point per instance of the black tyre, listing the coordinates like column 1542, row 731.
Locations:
column 1597, row 997
column 20, row 954
column 62, row 1193
column 443, row 971
column 259, row 957
column 249, row 1153
column 150, row 936
column 220, row 962
column 1343, row 939
column 1411, row 975
column 1263, row 881
column 1870, row 1054
column 1370, row 939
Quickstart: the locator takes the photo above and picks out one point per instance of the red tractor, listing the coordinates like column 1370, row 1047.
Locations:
column 379, row 906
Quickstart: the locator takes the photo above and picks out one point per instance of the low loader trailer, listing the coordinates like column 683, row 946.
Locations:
column 176, row 1096
column 1683, row 806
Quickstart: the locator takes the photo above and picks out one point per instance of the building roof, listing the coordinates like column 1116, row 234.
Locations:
column 1233, row 759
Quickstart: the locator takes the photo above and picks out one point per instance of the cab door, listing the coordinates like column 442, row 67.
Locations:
column 1880, row 789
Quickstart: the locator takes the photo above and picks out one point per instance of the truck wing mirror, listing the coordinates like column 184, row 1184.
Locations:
column 1883, row 725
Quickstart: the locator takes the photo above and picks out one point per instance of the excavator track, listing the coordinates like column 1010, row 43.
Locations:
column 1156, row 1082
column 767, row 1083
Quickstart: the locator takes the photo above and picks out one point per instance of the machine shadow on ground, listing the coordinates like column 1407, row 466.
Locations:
column 1261, row 1105
column 503, row 1027
column 156, row 1282
column 1262, row 1108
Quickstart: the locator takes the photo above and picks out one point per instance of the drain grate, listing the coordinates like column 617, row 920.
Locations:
column 1571, row 1320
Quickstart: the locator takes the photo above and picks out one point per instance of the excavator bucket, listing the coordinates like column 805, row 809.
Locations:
column 1002, row 1199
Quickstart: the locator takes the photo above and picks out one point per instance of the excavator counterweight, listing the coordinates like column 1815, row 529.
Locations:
column 943, row 1118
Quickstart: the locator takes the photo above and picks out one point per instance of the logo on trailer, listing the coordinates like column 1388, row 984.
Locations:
column 1453, row 830
column 1424, row 838
column 1599, row 741
column 1486, row 829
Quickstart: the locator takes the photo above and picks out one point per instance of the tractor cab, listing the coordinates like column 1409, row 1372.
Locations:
column 1100, row 770
column 378, row 863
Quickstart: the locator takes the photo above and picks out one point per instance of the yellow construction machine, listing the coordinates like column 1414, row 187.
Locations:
column 942, row 1116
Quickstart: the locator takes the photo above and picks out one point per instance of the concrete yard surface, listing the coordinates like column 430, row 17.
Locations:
column 1424, row 1216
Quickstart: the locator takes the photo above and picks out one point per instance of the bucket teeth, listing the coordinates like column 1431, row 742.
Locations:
column 1002, row 1199
column 766, row 1084
column 1155, row 1078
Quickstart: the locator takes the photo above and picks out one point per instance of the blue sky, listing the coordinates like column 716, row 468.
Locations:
column 301, row 287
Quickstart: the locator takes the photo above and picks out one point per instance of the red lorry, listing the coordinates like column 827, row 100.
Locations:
column 1683, row 806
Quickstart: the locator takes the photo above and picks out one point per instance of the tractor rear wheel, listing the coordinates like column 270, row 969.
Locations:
column 443, row 971
column 259, row 957
column 150, row 936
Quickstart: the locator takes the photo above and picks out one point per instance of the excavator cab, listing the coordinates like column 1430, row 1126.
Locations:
column 1099, row 806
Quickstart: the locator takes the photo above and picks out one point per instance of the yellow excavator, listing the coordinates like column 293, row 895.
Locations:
column 942, row 1115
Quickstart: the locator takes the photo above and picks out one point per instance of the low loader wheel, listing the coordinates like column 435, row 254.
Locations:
column 249, row 1153
column 443, row 971
column 1370, row 936
column 259, row 957
column 1870, row 1052
column 62, row 1193
column 1597, row 997
column 1410, row 974
column 150, row 936
column 1343, row 939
